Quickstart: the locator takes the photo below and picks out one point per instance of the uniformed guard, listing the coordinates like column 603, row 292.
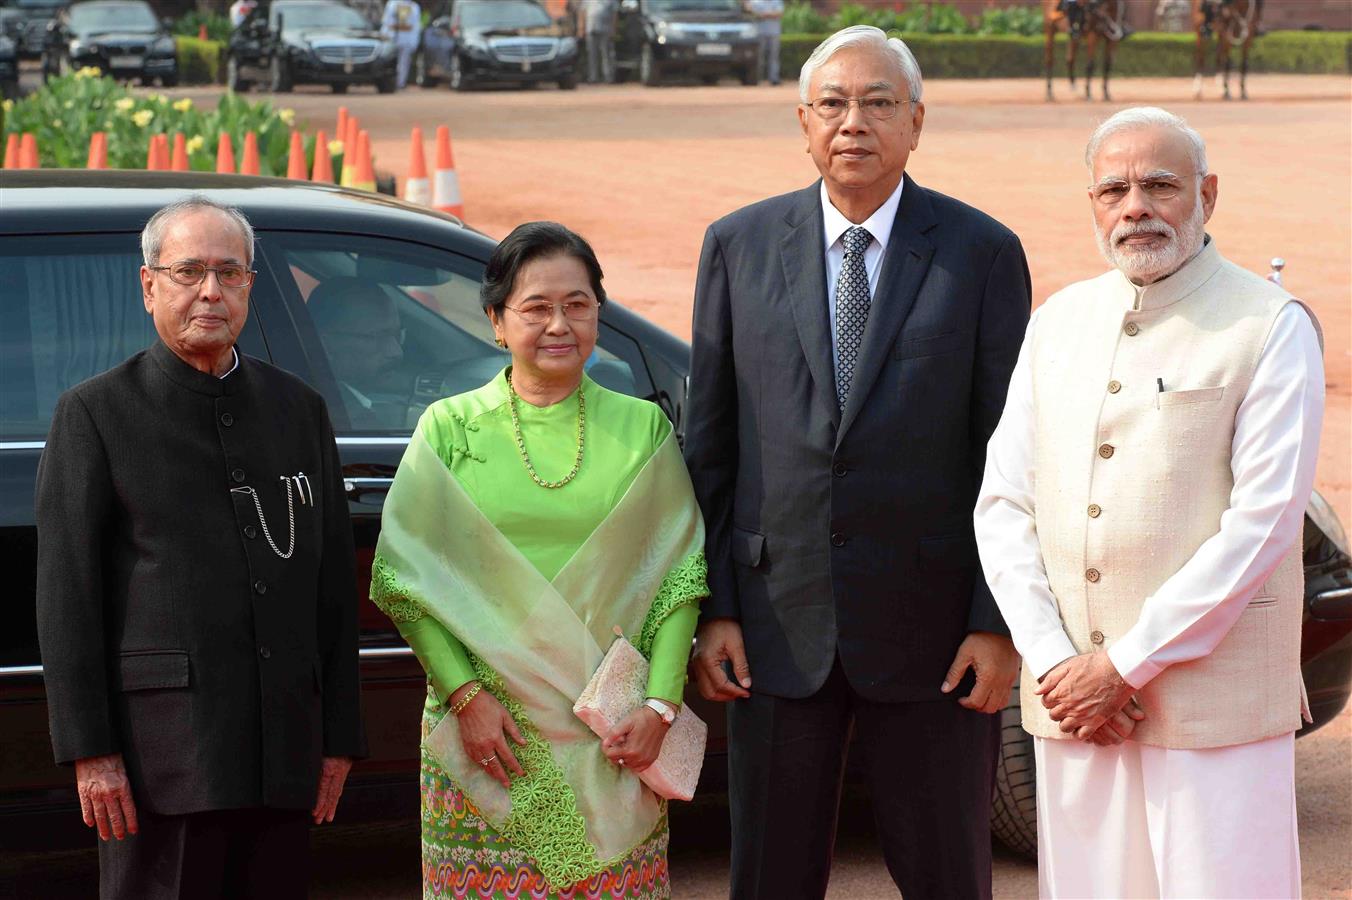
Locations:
column 196, row 595
column 402, row 23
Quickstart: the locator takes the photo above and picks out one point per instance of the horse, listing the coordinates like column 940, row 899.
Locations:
column 1235, row 22
column 1092, row 20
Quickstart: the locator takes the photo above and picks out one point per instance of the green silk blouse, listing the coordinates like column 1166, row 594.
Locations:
column 473, row 435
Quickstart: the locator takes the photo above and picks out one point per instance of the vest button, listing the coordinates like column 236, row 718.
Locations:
column 227, row 420
column 238, row 476
column 1132, row 329
column 1105, row 451
column 1091, row 575
column 1114, row 386
column 1095, row 510
column 838, row 539
column 250, row 532
column 1095, row 637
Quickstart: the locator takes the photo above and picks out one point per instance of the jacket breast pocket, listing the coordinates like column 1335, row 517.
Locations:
column 1200, row 395
column 748, row 547
column 934, row 345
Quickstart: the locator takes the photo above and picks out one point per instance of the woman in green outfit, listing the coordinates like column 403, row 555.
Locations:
column 528, row 518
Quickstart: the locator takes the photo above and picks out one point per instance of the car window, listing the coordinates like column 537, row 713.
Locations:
column 70, row 308
column 399, row 325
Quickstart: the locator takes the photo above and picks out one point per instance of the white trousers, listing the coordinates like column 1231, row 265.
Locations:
column 1139, row 821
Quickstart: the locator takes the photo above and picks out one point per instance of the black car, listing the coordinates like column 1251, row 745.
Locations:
column 70, row 301
column 26, row 22
column 495, row 41
column 9, row 67
column 708, row 39
column 122, row 38
column 294, row 42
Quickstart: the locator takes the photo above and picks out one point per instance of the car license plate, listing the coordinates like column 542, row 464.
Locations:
column 713, row 49
column 124, row 62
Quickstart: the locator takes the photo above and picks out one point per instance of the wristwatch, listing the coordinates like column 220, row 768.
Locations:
column 663, row 709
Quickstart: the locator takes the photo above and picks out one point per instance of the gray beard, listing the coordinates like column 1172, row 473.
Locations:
column 1148, row 265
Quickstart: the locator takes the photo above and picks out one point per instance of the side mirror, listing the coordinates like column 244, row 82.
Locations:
column 167, row 24
column 629, row 5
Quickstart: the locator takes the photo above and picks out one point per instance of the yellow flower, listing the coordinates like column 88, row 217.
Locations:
column 183, row 105
column 287, row 115
column 124, row 104
column 7, row 105
column 335, row 148
column 69, row 104
column 161, row 99
column 89, row 72
column 195, row 143
column 142, row 117
column 56, row 123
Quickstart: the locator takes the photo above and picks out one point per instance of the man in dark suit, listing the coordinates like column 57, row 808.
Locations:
column 853, row 342
column 196, row 591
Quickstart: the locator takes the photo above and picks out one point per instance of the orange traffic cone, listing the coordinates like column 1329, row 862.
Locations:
column 152, row 155
column 202, row 32
column 295, row 163
column 225, row 155
column 341, row 131
column 417, row 186
column 364, row 176
column 12, row 151
column 248, row 165
column 179, row 161
column 349, row 170
column 28, row 152
column 323, row 168
column 445, row 183
column 98, row 151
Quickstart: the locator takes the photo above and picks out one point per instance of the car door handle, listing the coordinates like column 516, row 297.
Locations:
column 356, row 487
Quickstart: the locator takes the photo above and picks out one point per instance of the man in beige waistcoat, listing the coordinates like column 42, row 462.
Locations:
column 1139, row 525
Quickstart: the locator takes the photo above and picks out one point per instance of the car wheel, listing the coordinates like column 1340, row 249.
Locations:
column 649, row 72
column 709, row 79
column 568, row 83
column 387, row 85
column 460, row 80
column 1014, row 806
column 232, row 79
column 341, row 88
column 281, row 76
column 750, row 75
column 169, row 81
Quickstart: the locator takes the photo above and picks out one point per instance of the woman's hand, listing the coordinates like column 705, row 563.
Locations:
column 636, row 740
column 484, row 729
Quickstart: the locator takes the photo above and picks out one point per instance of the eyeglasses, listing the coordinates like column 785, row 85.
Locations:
column 539, row 313
column 191, row 273
column 879, row 108
column 1158, row 189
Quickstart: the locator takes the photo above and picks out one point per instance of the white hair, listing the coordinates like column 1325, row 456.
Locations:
column 1146, row 117
column 152, row 236
column 863, row 36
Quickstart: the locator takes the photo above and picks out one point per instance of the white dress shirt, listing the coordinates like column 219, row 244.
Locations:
column 1273, row 456
column 879, row 225
column 234, row 365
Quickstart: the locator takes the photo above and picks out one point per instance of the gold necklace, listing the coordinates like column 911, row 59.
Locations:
column 521, row 440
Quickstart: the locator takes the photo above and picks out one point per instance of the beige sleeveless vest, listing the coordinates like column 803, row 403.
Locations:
column 1131, row 481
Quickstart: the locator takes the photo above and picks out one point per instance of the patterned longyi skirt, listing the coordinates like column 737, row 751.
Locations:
column 465, row 858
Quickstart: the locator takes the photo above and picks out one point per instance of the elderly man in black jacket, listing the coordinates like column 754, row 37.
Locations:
column 853, row 342
column 196, row 590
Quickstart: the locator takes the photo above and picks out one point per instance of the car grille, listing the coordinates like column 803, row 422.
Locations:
column 121, row 49
column 363, row 52
column 517, row 50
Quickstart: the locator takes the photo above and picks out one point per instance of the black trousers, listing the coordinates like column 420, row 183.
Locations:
column 236, row 853
column 930, row 775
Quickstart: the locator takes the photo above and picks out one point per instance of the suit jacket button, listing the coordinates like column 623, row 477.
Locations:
column 227, row 420
column 250, row 532
column 1132, row 329
column 1095, row 637
column 260, row 586
column 839, row 470
column 1092, row 576
column 264, row 652
column 1106, row 451
column 838, row 539
column 238, row 476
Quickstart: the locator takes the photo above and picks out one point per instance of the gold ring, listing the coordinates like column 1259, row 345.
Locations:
column 488, row 760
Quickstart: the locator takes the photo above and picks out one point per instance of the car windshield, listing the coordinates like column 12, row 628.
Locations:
column 318, row 15
column 110, row 16
column 662, row 7
column 501, row 14
column 49, row 5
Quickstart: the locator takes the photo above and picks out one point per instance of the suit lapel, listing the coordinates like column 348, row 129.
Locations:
column 904, row 265
column 804, row 262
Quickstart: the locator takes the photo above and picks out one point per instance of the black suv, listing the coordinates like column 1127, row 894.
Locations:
column 708, row 39
column 122, row 38
column 27, row 22
column 290, row 42
column 495, row 41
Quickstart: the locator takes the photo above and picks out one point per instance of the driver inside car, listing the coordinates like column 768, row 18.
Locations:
column 360, row 329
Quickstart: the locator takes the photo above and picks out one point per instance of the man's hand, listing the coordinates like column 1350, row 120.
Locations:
column 716, row 642
column 332, row 775
column 1117, row 729
column 1084, row 692
column 996, row 663
column 105, row 795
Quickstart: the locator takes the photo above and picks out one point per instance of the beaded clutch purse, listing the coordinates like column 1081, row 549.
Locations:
column 617, row 689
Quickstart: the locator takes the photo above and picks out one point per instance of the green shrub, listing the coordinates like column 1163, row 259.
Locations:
column 931, row 18
column 1143, row 54
column 1011, row 20
column 200, row 62
column 801, row 18
column 218, row 26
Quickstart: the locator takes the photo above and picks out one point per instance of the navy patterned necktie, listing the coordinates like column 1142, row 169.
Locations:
column 852, row 303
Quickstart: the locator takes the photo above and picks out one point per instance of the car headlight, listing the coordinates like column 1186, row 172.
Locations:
column 748, row 32
column 79, row 48
column 567, row 45
column 387, row 50
column 164, row 46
